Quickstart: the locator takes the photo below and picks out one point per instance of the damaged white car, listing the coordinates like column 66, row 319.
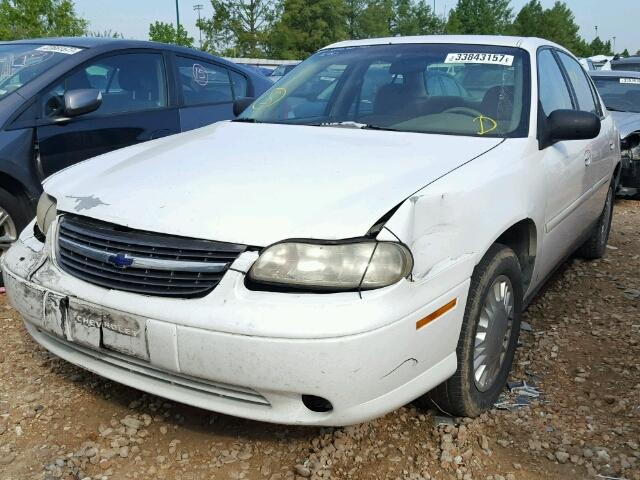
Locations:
column 368, row 231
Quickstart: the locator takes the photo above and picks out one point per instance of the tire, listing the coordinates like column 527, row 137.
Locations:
column 15, row 214
column 596, row 244
column 465, row 395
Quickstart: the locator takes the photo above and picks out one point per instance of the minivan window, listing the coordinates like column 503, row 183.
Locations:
column 128, row 83
column 21, row 63
column 553, row 91
column 581, row 86
column 484, row 90
column 203, row 82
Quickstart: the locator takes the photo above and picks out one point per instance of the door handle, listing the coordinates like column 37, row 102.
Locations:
column 587, row 158
column 612, row 146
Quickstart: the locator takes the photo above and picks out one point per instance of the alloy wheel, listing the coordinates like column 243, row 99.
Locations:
column 8, row 230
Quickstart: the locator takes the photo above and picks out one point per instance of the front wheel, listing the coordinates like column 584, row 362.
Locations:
column 596, row 244
column 488, row 337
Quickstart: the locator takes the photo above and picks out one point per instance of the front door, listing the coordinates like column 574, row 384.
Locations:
column 134, row 109
column 564, row 164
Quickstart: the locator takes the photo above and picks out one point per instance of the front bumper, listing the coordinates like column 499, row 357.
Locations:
column 228, row 353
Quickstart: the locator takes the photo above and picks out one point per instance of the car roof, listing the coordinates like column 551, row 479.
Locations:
column 528, row 43
column 104, row 44
column 614, row 73
column 633, row 59
column 93, row 42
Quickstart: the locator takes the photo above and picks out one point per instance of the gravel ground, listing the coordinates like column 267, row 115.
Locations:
column 581, row 351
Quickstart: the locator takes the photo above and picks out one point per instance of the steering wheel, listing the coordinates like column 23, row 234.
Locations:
column 470, row 112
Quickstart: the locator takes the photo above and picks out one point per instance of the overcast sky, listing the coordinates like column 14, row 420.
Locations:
column 617, row 18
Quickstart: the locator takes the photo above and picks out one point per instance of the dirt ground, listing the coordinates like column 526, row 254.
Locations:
column 580, row 348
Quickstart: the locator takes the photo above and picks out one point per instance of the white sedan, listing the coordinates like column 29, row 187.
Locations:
column 367, row 232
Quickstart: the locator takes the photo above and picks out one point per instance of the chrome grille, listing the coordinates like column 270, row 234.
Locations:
column 143, row 262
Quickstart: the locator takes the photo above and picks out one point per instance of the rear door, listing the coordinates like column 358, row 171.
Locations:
column 207, row 91
column 135, row 108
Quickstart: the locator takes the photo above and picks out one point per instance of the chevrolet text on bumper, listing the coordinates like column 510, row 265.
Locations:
column 383, row 248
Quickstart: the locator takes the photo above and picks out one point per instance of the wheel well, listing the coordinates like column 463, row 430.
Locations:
column 15, row 188
column 522, row 239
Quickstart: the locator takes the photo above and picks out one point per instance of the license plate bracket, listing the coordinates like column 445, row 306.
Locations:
column 95, row 327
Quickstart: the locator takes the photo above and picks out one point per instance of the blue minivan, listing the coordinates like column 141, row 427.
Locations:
column 63, row 100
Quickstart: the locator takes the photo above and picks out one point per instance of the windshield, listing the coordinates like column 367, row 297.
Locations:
column 20, row 63
column 628, row 66
column 619, row 93
column 475, row 90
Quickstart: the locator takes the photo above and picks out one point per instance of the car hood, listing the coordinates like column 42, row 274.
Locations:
column 257, row 184
column 627, row 122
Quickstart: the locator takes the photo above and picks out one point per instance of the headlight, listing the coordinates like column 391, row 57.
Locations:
column 332, row 266
column 46, row 212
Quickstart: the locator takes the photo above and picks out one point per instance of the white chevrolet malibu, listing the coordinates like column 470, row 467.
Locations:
column 366, row 233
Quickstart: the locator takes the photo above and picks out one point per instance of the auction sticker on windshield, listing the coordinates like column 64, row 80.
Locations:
column 487, row 58
column 634, row 81
column 58, row 49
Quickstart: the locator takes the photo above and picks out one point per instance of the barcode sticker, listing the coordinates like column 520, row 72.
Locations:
column 634, row 81
column 488, row 58
column 59, row 49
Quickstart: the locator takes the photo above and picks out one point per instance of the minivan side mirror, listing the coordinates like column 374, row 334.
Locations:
column 571, row 125
column 241, row 104
column 79, row 102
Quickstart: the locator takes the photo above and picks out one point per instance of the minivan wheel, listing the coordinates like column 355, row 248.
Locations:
column 488, row 338
column 596, row 244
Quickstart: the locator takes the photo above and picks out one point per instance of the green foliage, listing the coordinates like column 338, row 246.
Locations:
column 39, row 18
column 480, row 17
column 166, row 33
column 598, row 47
column 625, row 53
column 556, row 24
column 238, row 28
column 384, row 18
column 105, row 34
column 307, row 25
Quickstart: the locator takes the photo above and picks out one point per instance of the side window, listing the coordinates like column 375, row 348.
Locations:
column 581, row 85
column 240, row 85
column 203, row 82
column 129, row 83
column 552, row 88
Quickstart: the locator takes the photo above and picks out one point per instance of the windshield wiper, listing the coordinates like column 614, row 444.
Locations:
column 613, row 109
column 360, row 126
column 246, row 120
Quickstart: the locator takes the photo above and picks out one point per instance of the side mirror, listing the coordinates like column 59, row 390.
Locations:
column 79, row 102
column 572, row 125
column 241, row 104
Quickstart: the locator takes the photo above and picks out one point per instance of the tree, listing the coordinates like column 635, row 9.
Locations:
column 598, row 47
column 480, row 17
column 238, row 27
column 530, row 21
column 166, row 33
column 39, row 18
column 625, row 53
column 562, row 28
column 306, row 26
column 556, row 24
column 105, row 34
column 353, row 12
column 384, row 18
